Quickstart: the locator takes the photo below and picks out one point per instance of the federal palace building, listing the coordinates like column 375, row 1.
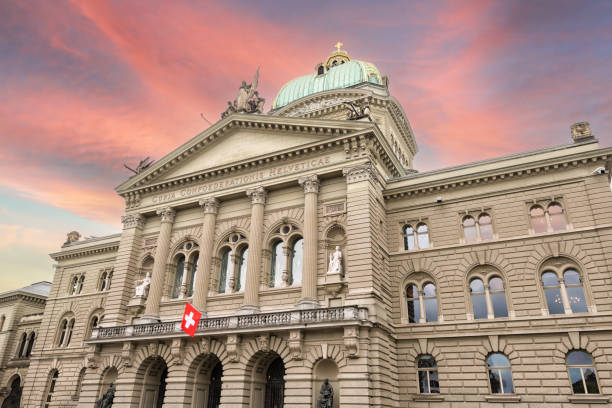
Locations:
column 315, row 251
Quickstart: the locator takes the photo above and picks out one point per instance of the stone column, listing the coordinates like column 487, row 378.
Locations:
column 151, row 313
column 311, row 235
column 211, row 206
column 564, row 298
column 423, row 316
column 489, row 302
column 251, row 290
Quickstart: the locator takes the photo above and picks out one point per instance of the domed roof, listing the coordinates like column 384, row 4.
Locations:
column 338, row 72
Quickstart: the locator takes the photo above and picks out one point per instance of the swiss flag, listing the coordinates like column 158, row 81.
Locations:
column 191, row 318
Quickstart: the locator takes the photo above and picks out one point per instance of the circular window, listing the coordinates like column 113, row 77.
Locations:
column 286, row 229
column 235, row 238
column 188, row 246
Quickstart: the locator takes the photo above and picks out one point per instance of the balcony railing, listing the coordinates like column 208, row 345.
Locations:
column 290, row 318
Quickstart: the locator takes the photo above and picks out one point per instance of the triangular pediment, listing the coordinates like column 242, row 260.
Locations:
column 237, row 139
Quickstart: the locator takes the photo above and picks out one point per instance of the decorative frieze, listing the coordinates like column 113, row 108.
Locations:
column 167, row 214
column 362, row 172
column 310, row 183
column 210, row 205
column 258, row 195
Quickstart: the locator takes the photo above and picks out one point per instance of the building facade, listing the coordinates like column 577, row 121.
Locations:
column 315, row 251
column 21, row 312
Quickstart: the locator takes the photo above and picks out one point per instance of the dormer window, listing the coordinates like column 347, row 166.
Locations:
column 320, row 70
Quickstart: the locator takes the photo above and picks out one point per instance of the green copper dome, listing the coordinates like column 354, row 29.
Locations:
column 341, row 75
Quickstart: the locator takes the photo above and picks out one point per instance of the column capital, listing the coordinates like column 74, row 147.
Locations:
column 167, row 214
column 210, row 205
column 258, row 195
column 361, row 172
column 133, row 221
column 310, row 183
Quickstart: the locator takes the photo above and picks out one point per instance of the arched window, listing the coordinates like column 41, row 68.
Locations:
column 22, row 345
column 79, row 384
column 277, row 264
column 242, row 269
column 469, row 229
column 498, row 297
column 320, row 70
column 297, row 258
column 63, row 330
column 500, row 374
column 485, row 226
column 51, row 388
column 552, row 292
column 2, row 319
column 179, row 271
column 193, row 272
column 557, row 217
column 69, row 332
column 538, row 219
column 75, row 285
column 428, row 375
column 409, row 241
column 414, row 304
column 31, row 339
column 431, row 302
column 423, row 236
column 81, row 283
column 479, row 302
column 103, row 279
column 226, row 271
column 93, row 324
column 582, row 374
column 575, row 292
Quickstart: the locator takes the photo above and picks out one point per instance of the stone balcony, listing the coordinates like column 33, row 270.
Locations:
column 279, row 321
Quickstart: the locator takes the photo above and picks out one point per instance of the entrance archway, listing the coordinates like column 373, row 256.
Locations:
column 14, row 398
column 154, row 385
column 207, row 384
column 275, row 384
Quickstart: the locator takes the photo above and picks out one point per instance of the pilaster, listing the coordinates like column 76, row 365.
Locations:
column 125, row 270
column 210, row 207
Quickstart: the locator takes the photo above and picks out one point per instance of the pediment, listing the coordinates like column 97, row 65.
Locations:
column 237, row 139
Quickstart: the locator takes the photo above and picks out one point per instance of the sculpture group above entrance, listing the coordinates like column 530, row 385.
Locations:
column 248, row 99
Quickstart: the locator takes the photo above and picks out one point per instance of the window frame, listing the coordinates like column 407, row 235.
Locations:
column 476, row 216
column 285, row 234
column 50, row 387
column 235, row 242
column 415, row 235
column 187, row 250
column 582, row 367
column 545, row 205
column 499, row 369
column 428, row 370
column 420, row 280
column 558, row 266
column 486, row 273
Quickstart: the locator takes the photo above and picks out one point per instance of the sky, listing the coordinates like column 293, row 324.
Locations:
column 86, row 86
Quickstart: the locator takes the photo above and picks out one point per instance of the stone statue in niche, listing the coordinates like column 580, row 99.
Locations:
column 326, row 395
column 142, row 286
column 335, row 262
column 107, row 399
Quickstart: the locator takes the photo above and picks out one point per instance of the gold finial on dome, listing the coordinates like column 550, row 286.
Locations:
column 338, row 45
column 337, row 57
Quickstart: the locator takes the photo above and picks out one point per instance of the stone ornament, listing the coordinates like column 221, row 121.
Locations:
column 581, row 130
column 310, row 183
column 351, row 342
column 248, row 99
column 365, row 171
column 72, row 236
column 107, row 399
column 210, row 205
column 258, row 195
column 133, row 221
column 142, row 286
column 335, row 262
column 232, row 347
column 263, row 342
column 167, row 214
column 356, row 110
column 295, row 344
column 326, row 395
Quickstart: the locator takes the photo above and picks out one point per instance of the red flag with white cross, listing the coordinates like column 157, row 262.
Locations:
column 191, row 318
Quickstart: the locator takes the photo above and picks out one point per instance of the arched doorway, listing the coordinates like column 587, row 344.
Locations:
column 14, row 398
column 154, row 385
column 275, row 384
column 207, row 384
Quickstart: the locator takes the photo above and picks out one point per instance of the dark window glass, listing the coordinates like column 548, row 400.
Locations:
column 178, row 276
column 193, row 272
column 69, row 332
column 30, row 344
column 409, row 242
column 498, row 297
column 479, row 302
column 227, row 268
column 414, row 307
column 241, row 280
column 428, row 375
column 22, row 344
column 582, row 373
column 500, row 374
column 297, row 257
column 552, row 291
column 575, row 292
column 431, row 303
column 64, row 327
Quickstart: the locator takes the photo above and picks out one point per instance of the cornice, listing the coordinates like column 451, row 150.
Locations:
column 90, row 250
column 495, row 175
column 23, row 296
column 366, row 139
